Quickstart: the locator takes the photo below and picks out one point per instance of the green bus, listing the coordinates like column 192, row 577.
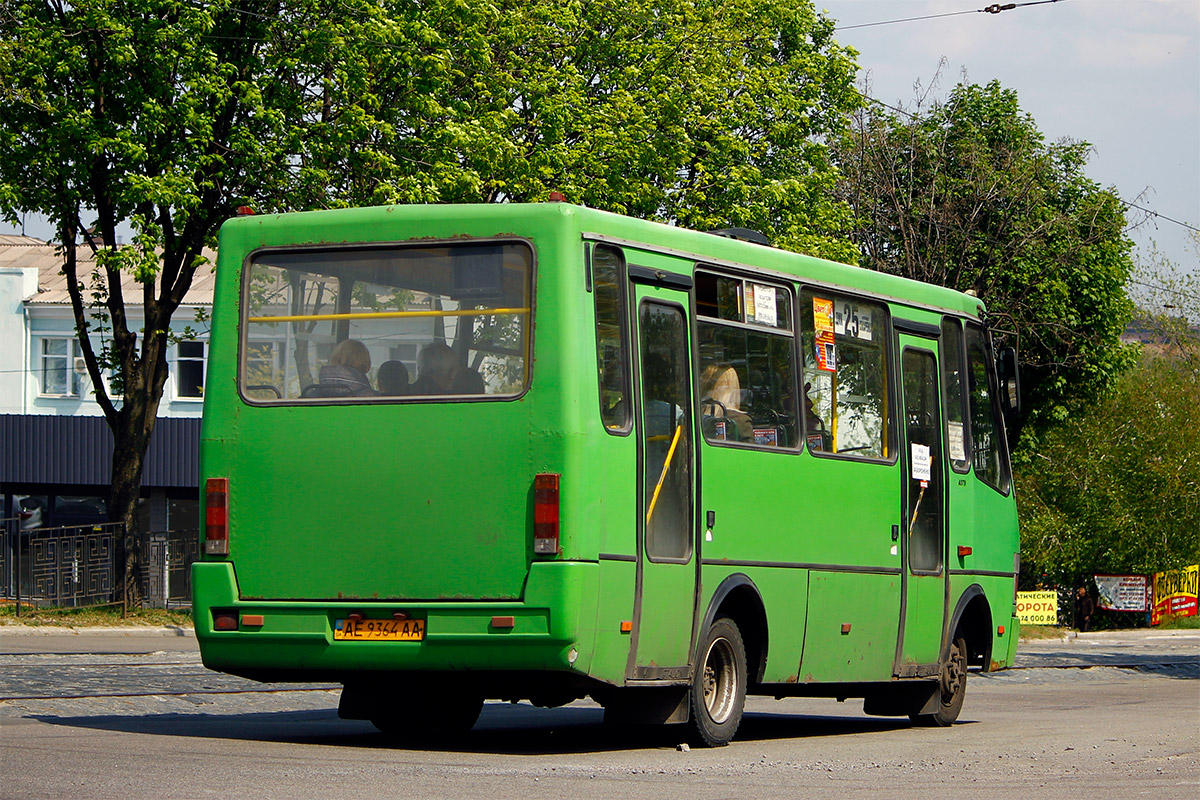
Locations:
column 541, row 452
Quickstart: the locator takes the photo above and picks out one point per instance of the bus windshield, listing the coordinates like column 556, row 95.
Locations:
column 367, row 324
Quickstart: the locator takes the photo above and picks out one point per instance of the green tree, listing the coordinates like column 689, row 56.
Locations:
column 1116, row 487
column 967, row 193
column 167, row 116
column 698, row 113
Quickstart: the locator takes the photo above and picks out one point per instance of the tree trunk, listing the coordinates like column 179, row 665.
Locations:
column 131, row 436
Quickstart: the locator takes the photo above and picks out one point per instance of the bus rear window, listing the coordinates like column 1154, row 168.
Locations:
column 372, row 323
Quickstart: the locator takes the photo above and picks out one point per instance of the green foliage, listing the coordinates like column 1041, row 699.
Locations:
column 1116, row 487
column 968, row 194
column 699, row 113
column 167, row 116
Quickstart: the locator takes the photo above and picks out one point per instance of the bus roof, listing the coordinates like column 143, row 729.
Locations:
column 371, row 225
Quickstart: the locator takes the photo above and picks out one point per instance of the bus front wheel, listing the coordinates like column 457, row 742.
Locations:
column 718, row 691
column 953, row 688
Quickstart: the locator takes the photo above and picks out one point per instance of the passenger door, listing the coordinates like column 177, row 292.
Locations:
column 664, row 611
column 923, row 523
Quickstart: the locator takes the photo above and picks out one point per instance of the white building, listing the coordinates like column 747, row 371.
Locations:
column 55, row 447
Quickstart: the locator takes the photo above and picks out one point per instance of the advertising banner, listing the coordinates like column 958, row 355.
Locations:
column 1038, row 608
column 1175, row 593
column 1123, row 592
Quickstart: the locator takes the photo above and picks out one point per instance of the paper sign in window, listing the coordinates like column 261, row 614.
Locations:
column 954, row 441
column 850, row 319
column 922, row 467
column 764, row 304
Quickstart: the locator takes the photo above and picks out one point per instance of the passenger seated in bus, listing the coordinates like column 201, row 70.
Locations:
column 720, row 396
column 347, row 369
column 468, row 381
column 437, row 366
column 392, row 378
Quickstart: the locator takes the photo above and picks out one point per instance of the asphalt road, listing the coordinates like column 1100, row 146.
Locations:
column 116, row 715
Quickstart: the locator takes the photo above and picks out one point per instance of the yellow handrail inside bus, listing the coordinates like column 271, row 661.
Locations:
column 663, row 476
column 462, row 312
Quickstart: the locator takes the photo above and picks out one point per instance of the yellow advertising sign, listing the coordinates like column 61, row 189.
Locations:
column 1175, row 593
column 1038, row 608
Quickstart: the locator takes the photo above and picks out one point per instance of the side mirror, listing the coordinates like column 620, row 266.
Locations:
column 1010, row 389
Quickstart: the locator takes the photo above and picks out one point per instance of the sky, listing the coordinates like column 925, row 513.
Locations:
column 1122, row 75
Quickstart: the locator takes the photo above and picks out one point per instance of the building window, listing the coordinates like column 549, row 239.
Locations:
column 60, row 376
column 189, row 369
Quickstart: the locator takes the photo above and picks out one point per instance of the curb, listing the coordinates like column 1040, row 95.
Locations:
column 54, row 630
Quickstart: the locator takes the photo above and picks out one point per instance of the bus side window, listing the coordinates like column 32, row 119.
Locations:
column 957, row 439
column 747, row 362
column 986, row 430
column 845, row 394
column 612, row 339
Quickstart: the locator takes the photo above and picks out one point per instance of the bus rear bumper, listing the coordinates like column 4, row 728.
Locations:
column 293, row 640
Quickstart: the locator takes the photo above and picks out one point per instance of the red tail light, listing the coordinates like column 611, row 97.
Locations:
column 545, row 514
column 216, row 517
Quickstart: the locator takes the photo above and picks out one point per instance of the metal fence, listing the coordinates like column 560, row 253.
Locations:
column 77, row 566
column 166, row 567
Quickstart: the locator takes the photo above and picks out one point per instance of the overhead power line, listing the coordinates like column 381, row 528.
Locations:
column 1157, row 215
column 994, row 8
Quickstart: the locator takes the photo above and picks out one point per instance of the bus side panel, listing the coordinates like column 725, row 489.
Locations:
column 998, row 591
column 852, row 627
column 988, row 526
column 751, row 495
column 784, row 594
column 846, row 511
column 615, row 606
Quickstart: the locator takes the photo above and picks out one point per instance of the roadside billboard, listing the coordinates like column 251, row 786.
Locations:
column 1038, row 608
column 1123, row 592
column 1175, row 593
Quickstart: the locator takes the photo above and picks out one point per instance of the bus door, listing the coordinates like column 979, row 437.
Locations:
column 923, row 521
column 664, row 609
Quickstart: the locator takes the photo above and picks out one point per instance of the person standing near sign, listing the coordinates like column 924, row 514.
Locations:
column 1084, row 608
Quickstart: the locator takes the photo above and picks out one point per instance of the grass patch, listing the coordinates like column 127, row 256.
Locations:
column 95, row 616
column 1181, row 623
column 1032, row 632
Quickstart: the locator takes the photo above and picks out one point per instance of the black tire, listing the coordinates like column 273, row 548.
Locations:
column 442, row 716
column 953, row 688
column 718, row 691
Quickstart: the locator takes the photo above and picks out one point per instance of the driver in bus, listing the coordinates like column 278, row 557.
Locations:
column 721, row 390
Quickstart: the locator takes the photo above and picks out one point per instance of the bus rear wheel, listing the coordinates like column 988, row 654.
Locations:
column 953, row 688
column 433, row 717
column 718, row 690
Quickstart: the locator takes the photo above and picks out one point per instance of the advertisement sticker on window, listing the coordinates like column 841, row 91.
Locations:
column 767, row 436
column 823, row 325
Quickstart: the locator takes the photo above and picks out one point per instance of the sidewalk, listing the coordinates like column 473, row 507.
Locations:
column 23, row 639
column 87, row 630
